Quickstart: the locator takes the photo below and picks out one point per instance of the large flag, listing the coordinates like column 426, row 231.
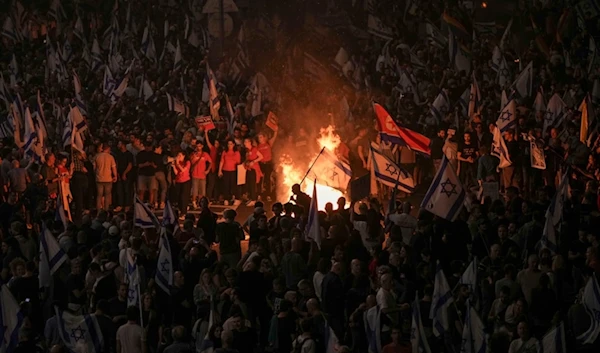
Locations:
column 78, row 119
column 170, row 219
column 418, row 338
column 508, row 117
column 469, row 277
column 435, row 36
column 442, row 298
column 524, row 83
column 133, row 279
column 372, row 320
column 554, row 215
column 474, row 339
column 446, row 196
column 439, row 108
column 591, row 302
column 555, row 341
column 164, row 265
column 144, row 217
column 313, row 227
column 503, row 73
column 391, row 132
column 178, row 61
column 79, row 333
column 555, row 113
column 63, row 211
column 51, row 257
column 459, row 55
column 214, row 102
column 11, row 319
column 389, row 173
column 331, row 171
column 499, row 150
column 175, row 105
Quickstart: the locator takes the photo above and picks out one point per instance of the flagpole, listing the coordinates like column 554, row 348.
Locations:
column 312, row 165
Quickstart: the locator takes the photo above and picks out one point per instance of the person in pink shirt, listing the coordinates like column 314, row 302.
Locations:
column 183, row 183
column 201, row 166
column 253, row 171
column 230, row 159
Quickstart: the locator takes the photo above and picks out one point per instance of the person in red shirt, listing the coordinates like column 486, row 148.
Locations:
column 214, row 151
column 183, row 183
column 228, row 170
column 253, row 171
column 265, row 147
column 201, row 166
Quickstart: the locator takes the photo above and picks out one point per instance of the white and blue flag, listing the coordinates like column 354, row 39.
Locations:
column 554, row 216
column 133, row 279
column 79, row 333
column 78, row 90
column 9, row 31
column 459, row 57
column 313, row 227
column 178, row 61
column 11, row 319
column 555, row 113
column 504, row 75
column 13, row 69
column 67, row 51
column 331, row 171
column 372, row 320
column 539, row 105
column 96, row 55
column 591, row 303
column 446, row 195
column 442, row 298
column 169, row 218
column 496, row 59
column 500, row 150
column 439, row 108
column 51, row 257
column 144, row 217
column 474, row 339
column 164, row 265
column 508, row 117
column 389, row 173
column 175, row 105
column 214, row 102
column 148, row 47
column 469, row 277
column 108, row 82
column 32, row 145
column 524, row 83
column 555, row 341
column 418, row 338
column 78, row 30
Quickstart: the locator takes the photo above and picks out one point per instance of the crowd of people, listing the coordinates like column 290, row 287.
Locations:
column 81, row 149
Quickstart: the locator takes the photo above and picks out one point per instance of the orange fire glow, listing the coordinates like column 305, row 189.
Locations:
column 293, row 174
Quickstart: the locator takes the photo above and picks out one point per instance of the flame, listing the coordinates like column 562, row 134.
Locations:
column 293, row 172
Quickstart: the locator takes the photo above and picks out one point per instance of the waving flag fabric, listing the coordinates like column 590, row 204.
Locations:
column 79, row 332
column 391, row 132
column 11, row 319
column 442, row 298
column 313, row 227
column 446, row 195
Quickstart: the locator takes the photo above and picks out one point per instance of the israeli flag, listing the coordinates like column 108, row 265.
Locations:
column 214, row 102
column 554, row 216
column 345, row 109
column 389, row 173
column 591, row 302
column 555, row 341
column 176, row 106
column 67, row 51
column 79, row 333
column 331, row 171
column 555, row 113
column 56, row 11
column 313, row 227
column 78, row 96
column 13, row 69
column 439, row 108
column 133, row 279
column 474, row 339
column 524, row 83
column 208, row 346
column 169, row 218
column 372, row 320
column 32, row 146
column 508, row 117
column 435, row 36
column 539, row 105
column 96, row 55
column 11, row 319
column 78, row 30
column 503, row 78
column 499, row 150
column 474, row 98
column 63, row 211
column 164, row 266
column 144, row 217
column 442, row 298
column 51, row 257
column 496, row 59
column 418, row 339
column 469, row 277
column 446, row 196
column 148, row 48
column 178, row 61
column 78, row 120
column 4, row 92
column 459, row 57
column 9, row 31
column 231, row 121
column 108, row 83
column 146, row 92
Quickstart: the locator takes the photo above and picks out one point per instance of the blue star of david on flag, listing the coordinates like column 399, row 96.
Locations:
column 78, row 334
column 548, row 116
column 448, row 188
column 164, row 266
column 131, row 294
column 505, row 116
column 391, row 169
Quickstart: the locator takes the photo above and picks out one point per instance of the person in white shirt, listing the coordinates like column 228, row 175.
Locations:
column 131, row 337
column 525, row 343
column 304, row 343
column 406, row 222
